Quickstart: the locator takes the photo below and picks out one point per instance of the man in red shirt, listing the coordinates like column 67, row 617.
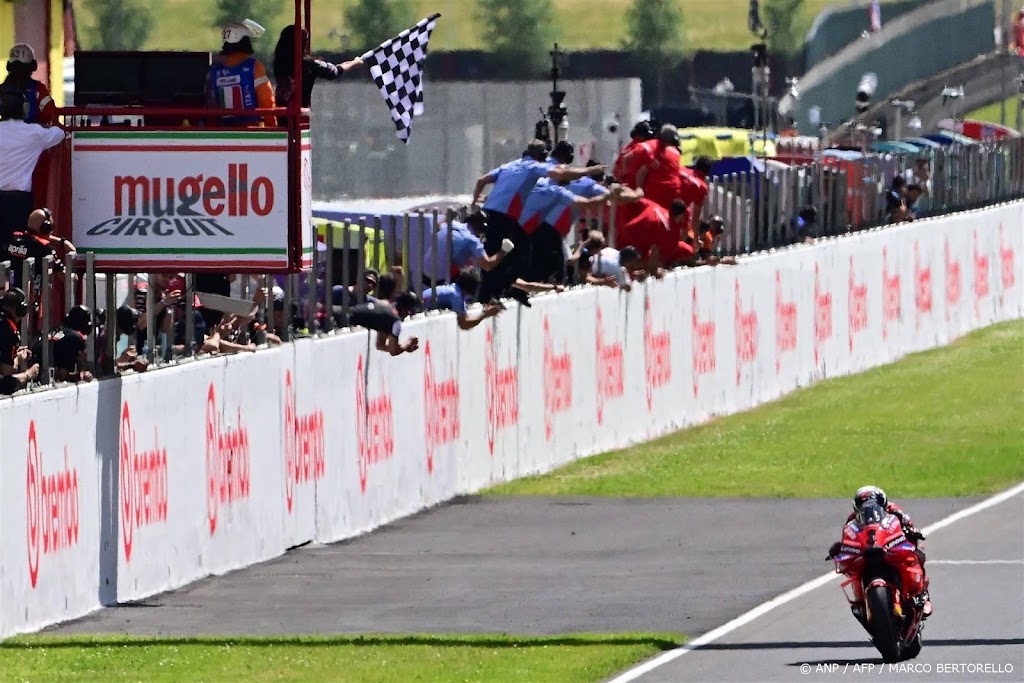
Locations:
column 625, row 164
column 658, row 167
column 656, row 230
column 694, row 191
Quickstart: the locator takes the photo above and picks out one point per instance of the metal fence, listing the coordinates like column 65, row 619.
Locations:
column 759, row 210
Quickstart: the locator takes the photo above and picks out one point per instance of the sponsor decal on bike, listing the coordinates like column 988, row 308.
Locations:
column 52, row 506
column 227, row 460
column 441, row 400
column 657, row 355
column 304, row 448
column 142, row 485
column 785, row 324
column 746, row 334
column 557, row 382
column 502, row 384
column 891, row 295
column 895, row 542
column 375, row 429
column 610, row 374
column 704, row 358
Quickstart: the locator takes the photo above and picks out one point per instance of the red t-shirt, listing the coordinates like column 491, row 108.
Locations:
column 653, row 227
column 625, row 165
column 662, row 161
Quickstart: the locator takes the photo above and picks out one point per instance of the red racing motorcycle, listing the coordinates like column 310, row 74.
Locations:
column 883, row 574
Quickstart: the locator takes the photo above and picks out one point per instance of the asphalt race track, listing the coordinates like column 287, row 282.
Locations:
column 549, row 566
column 976, row 567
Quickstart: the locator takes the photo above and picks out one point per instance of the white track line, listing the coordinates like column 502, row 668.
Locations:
column 974, row 562
column 762, row 609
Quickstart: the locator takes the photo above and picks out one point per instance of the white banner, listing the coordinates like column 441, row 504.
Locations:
column 221, row 198
column 131, row 487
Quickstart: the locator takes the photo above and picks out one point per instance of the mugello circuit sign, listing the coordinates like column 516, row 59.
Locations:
column 184, row 199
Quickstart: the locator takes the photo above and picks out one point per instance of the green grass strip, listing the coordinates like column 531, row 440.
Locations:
column 946, row 422
column 367, row 658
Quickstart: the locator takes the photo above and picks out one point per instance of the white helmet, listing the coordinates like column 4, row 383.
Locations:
column 22, row 53
column 869, row 493
column 237, row 31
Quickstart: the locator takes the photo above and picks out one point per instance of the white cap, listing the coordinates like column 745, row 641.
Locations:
column 236, row 31
column 278, row 293
column 22, row 53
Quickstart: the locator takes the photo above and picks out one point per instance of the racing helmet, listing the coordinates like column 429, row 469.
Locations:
column 866, row 493
column 236, row 32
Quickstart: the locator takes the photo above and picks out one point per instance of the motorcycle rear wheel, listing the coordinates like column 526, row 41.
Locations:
column 883, row 630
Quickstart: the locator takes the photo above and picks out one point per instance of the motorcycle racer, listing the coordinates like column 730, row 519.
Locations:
column 875, row 495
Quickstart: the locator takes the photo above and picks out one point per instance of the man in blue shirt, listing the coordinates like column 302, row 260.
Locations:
column 467, row 250
column 504, row 207
column 453, row 297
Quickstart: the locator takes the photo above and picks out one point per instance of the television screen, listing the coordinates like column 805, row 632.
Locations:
column 175, row 77
column 107, row 77
column 136, row 78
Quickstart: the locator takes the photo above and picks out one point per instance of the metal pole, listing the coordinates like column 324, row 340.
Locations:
column 289, row 298
column 346, row 241
column 406, row 252
column 361, row 257
column 377, row 241
column 46, row 294
column 26, row 286
column 69, row 283
column 435, row 229
column 312, row 296
column 329, row 277
column 111, row 336
column 245, row 295
column 90, row 301
column 424, row 232
column 190, row 318
column 390, row 253
column 150, row 319
column 451, row 245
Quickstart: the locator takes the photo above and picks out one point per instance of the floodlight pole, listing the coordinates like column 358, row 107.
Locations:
column 557, row 111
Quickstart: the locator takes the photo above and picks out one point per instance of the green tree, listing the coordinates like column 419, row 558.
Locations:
column 520, row 33
column 780, row 18
column 371, row 22
column 263, row 12
column 655, row 31
column 121, row 24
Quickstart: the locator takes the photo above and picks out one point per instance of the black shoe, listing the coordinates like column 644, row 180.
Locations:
column 520, row 296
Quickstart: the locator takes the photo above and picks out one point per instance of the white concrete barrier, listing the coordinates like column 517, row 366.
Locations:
column 119, row 490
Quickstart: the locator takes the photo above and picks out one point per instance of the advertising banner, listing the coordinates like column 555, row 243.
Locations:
column 220, row 199
column 121, row 489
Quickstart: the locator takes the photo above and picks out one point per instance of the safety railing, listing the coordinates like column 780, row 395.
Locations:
column 759, row 210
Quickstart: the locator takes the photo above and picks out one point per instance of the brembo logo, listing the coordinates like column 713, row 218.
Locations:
column 142, row 484
column 981, row 286
column 704, row 360
column 953, row 284
column 785, row 324
column 858, row 305
column 502, row 385
column 822, row 315
column 891, row 308
column 657, row 355
column 441, row 399
column 610, row 376
column 304, row 450
column 52, row 506
column 557, row 382
column 192, row 206
column 375, row 426
column 922, row 287
column 227, row 461
column 746, row 334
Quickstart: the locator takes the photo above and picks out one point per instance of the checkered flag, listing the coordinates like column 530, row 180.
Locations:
column 397, row 69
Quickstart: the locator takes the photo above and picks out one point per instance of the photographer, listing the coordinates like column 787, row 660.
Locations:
column 15, row 369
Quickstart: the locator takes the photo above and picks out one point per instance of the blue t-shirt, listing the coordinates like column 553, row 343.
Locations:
column 587, row 187
column 513, row 183
column 466, row 248
column 448, row 296
column 233, row 87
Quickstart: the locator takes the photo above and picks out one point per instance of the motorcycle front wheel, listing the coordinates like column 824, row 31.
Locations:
column 883, row 630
